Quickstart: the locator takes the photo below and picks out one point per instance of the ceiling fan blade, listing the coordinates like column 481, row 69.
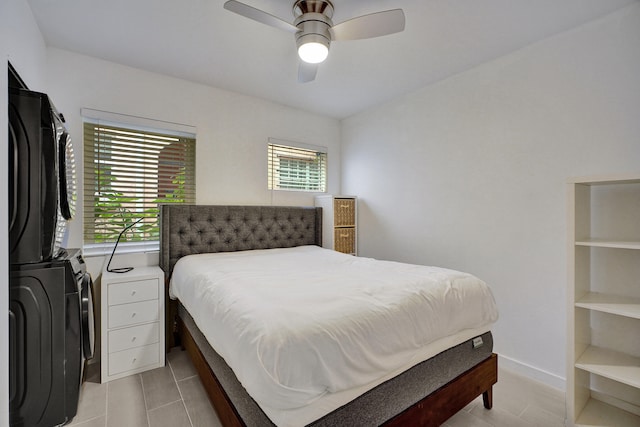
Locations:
column 259, row 15
column 369, row 26
column 307, row 72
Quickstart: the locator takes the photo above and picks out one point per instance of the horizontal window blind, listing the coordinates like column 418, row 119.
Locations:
column 296, row 168
column 127, row 174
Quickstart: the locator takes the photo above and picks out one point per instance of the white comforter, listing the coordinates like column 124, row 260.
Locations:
column 295, row 324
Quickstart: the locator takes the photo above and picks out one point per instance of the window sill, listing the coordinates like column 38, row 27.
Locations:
column 104, row 249
column 298, row 190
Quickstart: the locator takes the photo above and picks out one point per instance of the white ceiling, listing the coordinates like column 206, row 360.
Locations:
column 198, row 40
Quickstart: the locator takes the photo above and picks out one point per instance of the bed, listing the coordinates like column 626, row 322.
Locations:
column 423, row 391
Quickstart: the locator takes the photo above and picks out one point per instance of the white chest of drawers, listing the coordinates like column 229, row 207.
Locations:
column 132, row 317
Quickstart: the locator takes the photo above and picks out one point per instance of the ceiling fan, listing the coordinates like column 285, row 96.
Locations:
column 314, row 30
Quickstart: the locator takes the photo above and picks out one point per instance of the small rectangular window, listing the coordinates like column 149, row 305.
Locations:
column 297, row 168
column 128, row 172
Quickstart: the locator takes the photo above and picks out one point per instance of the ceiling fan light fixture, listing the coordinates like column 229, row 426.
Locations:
column 313, row 21
column 313, row 48
column 313, row 52
column 314, row 30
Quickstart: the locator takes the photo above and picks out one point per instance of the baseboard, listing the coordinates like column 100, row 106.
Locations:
column 532, row 372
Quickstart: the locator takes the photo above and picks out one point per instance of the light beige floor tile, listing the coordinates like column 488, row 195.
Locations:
column 171, row 415
column 197, row 403
column 466, row 419
column 94, row 422
column 496, row 416
column 181, row 364
column 530, row 392
column 92, row 402
column 159, row 387
column 540, row 417
column 471, row 405
column 504, row 396
column 125, row 403
column 517, row 402
column 546, row 397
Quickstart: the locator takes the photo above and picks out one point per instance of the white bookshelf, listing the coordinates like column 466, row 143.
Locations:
column 609, row 244
column 603, row 372
column 613, row 304
column 611, row 364
column 598, row 413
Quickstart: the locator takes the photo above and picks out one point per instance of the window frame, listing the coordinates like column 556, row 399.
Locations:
column 138, row 125
column 297, row 152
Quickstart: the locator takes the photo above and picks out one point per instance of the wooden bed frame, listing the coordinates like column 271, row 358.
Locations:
column 196, row 221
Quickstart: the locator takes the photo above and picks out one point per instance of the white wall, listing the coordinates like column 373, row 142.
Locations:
column 21, row 43
column 232, row 129
column 470, row 173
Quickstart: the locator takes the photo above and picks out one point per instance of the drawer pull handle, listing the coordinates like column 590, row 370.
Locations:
column 133, row 314
column 134, row 360
column 344, row 235
column 133, row 292
column 344, row 206
column 133, row 339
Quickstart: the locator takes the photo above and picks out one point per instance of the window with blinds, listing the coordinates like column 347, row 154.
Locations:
column 127, row 174
column 297, row 168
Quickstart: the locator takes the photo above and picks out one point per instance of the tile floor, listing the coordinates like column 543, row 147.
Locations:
column 173, row 396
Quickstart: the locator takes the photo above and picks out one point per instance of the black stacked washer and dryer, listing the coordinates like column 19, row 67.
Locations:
column 51, row 329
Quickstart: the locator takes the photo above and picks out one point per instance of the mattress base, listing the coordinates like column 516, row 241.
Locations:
column 398, row 394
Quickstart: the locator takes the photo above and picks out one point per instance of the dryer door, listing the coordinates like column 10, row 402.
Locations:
column 88, row 324
column 18, row 205
column 33, row 178
column 67, row 183
column 67, row 178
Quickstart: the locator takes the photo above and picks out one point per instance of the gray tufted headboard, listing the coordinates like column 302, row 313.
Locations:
column 196, row 229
